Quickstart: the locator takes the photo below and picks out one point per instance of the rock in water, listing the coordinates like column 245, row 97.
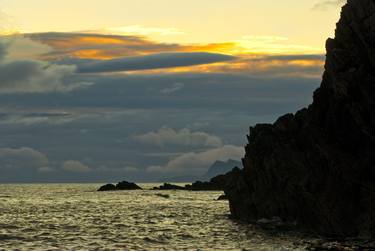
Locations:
column 217, row 183
column 317, row 168
column 167, row 186
column 107, row 187
column 123, row 185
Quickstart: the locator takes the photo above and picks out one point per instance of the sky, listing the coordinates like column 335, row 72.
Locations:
column 101, row 91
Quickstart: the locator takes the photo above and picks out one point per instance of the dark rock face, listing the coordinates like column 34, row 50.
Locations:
column 222, row 197
column 123, row 185
column 317, row 168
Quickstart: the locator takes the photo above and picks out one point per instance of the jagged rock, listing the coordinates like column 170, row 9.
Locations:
column 222, row 197
column 108, row 187
column 167, row 186
column 123, row 185
column 317, row 167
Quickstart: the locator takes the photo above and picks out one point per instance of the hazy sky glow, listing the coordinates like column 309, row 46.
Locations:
column 97, row 90
column 192, row 21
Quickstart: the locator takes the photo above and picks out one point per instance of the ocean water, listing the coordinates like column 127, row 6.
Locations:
column 76, row 217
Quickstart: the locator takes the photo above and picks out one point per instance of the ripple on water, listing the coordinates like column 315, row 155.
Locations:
column 76, row 217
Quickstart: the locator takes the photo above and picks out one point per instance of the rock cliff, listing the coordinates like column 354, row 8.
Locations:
column 316, row 168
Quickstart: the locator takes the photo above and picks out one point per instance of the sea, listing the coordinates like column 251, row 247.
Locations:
column 77, row 217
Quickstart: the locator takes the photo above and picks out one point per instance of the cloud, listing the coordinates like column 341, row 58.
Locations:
column 324, row 5
column 46, row 169
column 104, row 46
column 154, row 61
column 265, row 55
column 197, row 163
column 310, row 65
column 75, row 167
column 169, row 137
column 34, row 76
column 174, row 88
column 12, row 159
column 34, row 118
column 271, row 45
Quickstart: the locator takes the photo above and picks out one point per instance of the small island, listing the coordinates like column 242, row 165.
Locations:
column 123, row 185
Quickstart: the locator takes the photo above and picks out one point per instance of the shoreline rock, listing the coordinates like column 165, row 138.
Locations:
column 167, row 186
column 317, row 167
column 123, row 185
column 217, row 183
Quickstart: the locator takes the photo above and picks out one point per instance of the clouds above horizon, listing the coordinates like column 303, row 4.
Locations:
column 75, row 167
column 105, row 53
column 183, row 137
column 34, row 76
column 23, row 158
column 140, row 125
column 193, row 163
column 154, row 61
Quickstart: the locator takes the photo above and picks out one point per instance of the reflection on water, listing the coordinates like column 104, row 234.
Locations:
column 76, row 217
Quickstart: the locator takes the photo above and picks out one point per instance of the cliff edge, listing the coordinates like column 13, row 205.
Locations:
column 316, row 168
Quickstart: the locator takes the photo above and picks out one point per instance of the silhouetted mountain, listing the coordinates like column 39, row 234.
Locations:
column 316, row 168
column 218, row 168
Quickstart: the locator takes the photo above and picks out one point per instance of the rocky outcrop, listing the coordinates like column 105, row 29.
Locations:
column 167, row 186
column 123, row 185
column 222, row 197
column 107, row 187
column 316, row 168
column 218, row 168
column 217, row 183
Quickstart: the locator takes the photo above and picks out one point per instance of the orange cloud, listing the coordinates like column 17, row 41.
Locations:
column 98, row 46
column 106, row 47
column 310, row 68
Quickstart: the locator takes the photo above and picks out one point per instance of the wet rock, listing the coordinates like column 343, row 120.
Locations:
column 167, row 186
column 317, row 167
column 222, row 197
column 107, row 187
column 165, row 196
column 341, row 245
column 123, row 185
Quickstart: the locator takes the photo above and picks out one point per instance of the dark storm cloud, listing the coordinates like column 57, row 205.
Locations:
column 98, row 126
column 33, row 76
column 140, row 126
column 155, row 61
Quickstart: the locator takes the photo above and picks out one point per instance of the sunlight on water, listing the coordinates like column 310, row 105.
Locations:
column 76, row 217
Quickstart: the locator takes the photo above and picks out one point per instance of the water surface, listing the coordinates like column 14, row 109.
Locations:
column 76, row 217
